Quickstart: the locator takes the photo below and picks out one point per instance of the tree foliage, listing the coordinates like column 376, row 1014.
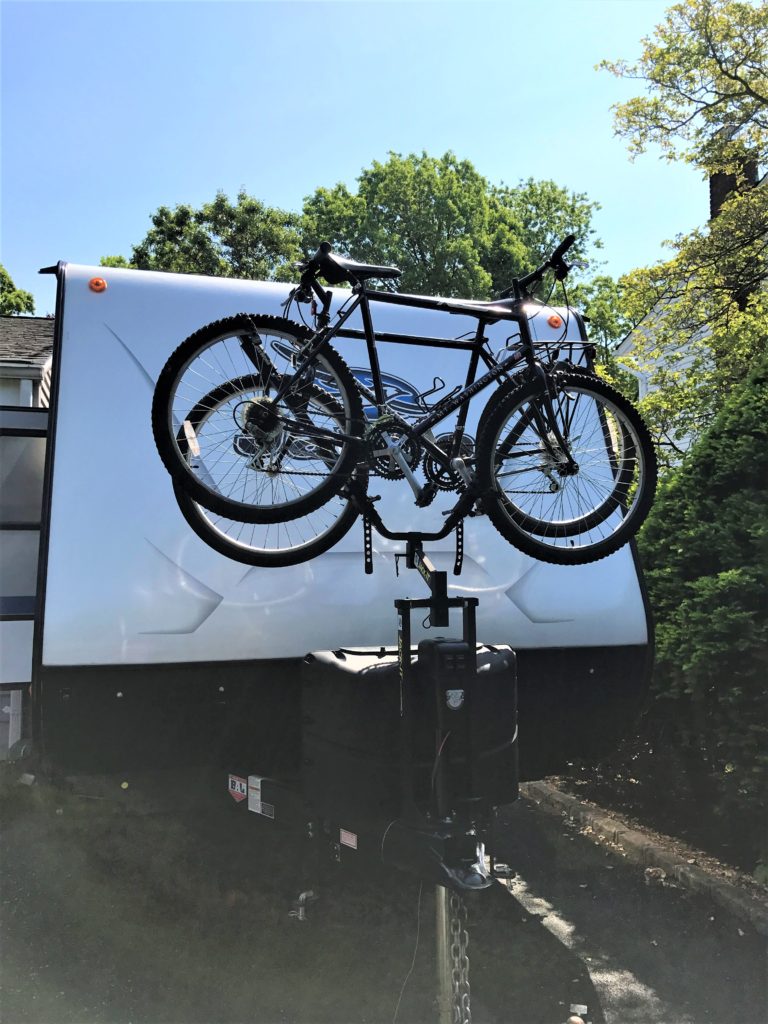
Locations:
column 706, row 75
column 431, row 217
column 13, row 300
column 699, row 316
column 602, row 301
column 221, row 239
column 447, row 227
column 704, row 548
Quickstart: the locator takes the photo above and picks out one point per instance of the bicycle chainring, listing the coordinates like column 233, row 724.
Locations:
column 441, row 476
column 380, row 457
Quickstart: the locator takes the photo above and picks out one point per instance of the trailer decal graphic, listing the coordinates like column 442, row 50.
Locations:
column 238, row 788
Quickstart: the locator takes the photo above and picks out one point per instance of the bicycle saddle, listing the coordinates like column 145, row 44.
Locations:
column 336, row 269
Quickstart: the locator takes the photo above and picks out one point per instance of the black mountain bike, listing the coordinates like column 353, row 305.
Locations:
column 262, row 427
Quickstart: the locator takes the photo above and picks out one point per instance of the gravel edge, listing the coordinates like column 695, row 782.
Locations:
column 638, row 848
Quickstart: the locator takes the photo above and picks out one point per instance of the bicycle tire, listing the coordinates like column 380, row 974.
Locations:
column 606, row 499
column 573, row 527
column 206, row 364
column 270, row 545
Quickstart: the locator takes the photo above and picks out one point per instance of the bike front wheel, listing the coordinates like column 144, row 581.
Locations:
column 232, row 445
column 569, row 476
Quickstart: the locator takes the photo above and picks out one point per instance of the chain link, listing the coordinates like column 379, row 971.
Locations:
column 459, row 945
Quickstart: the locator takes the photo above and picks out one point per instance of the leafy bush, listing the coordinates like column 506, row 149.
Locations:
column 704, row 549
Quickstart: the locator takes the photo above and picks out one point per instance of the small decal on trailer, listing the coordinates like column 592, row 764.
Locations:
column 254, row 793
column 255, row 803
column 348, row 839
column 238, row 788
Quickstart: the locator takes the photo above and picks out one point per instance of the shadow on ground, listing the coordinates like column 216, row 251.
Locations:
column 118, row 910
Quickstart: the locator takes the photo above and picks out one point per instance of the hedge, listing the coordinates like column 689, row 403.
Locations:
column 705, row 551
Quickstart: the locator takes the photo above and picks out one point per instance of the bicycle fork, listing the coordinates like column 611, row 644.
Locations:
column 549, row 428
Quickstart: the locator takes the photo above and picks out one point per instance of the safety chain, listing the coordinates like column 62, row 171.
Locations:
column 459, row 943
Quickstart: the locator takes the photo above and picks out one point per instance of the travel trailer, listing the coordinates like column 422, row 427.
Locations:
column 154, row 648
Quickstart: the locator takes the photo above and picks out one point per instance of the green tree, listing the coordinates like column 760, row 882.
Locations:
column 448, row 229
column 706, row 79
column 13, row 300
column 221, row 239
column 541, row 213
column 430, row 217
column 439, row 220
column 704, row 548
column 699, row 316
column 602, row 301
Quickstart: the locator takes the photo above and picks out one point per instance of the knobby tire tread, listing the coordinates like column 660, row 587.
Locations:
column 251, row 556
column 165, row 440
column 501, row 403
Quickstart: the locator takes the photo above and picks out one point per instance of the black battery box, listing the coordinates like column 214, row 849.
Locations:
column 352, row 706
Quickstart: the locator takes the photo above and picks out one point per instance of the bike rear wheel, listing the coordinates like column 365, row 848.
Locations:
column 234, row 448
column 567, row 506
column 271, row 544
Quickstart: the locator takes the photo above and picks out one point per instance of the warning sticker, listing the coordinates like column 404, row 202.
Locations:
column 255, row 803
column 238, row 788
column 348, row 839
column 254, row 793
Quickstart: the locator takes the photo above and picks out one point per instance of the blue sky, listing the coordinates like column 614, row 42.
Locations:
column 111, row 109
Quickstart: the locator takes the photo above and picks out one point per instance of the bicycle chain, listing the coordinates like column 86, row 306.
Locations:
column 459, row 944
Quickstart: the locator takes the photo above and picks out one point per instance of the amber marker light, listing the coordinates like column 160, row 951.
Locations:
column 553, row 321
column 97, row 284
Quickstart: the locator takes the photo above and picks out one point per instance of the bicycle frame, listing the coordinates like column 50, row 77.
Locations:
column 361, row 298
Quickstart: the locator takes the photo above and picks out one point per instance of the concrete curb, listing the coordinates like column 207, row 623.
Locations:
column 638, row 848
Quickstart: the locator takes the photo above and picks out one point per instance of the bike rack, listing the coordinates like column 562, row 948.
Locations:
column 414, row 541
column 452, row 667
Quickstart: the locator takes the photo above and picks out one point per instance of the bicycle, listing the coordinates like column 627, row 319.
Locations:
column 563, row 465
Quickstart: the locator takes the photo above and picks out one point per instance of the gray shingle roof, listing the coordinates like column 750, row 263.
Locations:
column 26, row 339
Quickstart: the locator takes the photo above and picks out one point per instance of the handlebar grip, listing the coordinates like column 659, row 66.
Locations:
column 562, row 249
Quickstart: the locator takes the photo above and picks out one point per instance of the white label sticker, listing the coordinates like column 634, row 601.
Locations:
column 255, row 803
column 238, row 788
column 348, row 839
column 254, row 793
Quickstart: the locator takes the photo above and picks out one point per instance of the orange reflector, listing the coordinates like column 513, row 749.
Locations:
column 97, row 284
column 555, row 320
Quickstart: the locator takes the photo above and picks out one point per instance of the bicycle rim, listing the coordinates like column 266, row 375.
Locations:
column 529, row 441
column 546, row 506
column 236, row 449
column 270, row 544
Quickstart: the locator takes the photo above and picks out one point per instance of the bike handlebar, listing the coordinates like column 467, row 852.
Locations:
column 562, row 249
column 518, row 288
column 555, row 262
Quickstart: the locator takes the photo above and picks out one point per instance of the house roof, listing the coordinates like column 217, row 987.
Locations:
column 26, row 339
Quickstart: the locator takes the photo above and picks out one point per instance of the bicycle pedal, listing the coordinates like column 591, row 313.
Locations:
column 426, row 495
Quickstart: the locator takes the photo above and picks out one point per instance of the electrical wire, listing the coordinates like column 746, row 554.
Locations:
column 415, row 951
column 437, row 759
